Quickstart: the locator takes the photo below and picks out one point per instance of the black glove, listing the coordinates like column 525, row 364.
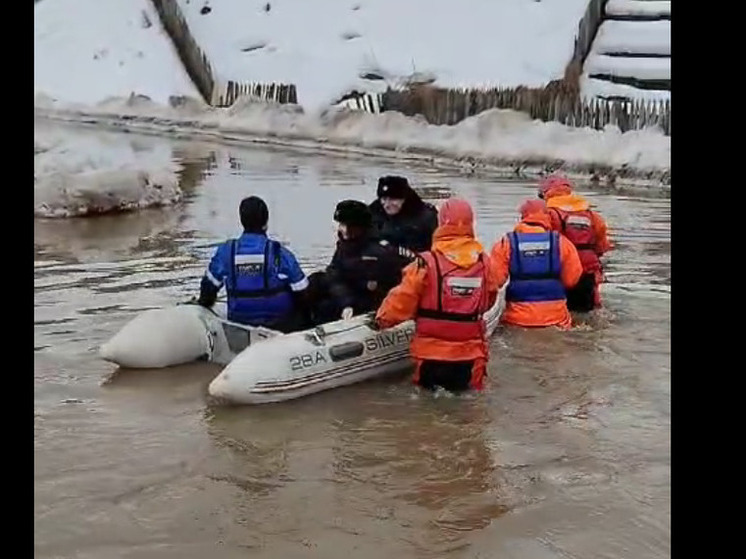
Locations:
column 400, row 251
column 204, row 301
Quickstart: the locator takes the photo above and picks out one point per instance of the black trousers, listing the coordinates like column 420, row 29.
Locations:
column 454, row 376
column 321, row 307
column 294, row 321
column 582, row 297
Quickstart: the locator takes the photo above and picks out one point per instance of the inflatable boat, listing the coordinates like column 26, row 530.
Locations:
column 184, row 333
column 263, row 365
column 344, row 352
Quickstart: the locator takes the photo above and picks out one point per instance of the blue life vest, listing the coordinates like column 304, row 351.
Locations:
column 534, row 268
column 256, row 293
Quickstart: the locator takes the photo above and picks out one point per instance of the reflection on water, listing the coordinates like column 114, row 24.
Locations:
column 566, row 454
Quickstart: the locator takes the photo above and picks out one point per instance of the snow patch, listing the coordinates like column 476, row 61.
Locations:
column 188, row 105
column 493, row 137
column 635, row 37
column 99, row 192
column 592, row 87
column 324, row 46
column 87, row 50
column 640, row 68
column 638, row 8
column 79, row 174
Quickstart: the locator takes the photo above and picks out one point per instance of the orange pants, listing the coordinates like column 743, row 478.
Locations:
column 454, row 376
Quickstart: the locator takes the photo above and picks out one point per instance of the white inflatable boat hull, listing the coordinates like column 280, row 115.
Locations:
column 176, row 335
column 339, row 353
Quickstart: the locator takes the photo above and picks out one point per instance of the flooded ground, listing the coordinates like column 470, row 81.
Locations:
column 567, row 454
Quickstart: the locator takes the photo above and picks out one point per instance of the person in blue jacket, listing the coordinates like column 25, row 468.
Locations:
column 263, row 279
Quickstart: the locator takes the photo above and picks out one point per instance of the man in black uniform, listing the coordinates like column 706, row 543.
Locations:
column 401, row 217
column 362, row 271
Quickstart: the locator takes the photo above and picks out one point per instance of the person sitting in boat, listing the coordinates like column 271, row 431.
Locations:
column 401, row 217
column 363, row 269
column 570, row 214
column 262, row 278
column 541, row 265
column 446, row 291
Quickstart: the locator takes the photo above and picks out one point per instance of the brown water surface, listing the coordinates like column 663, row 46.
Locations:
column 567, row 454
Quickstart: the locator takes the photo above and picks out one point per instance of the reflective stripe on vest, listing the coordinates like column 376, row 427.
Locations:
column 439, row 316
column 578, row 228
column 535, row 268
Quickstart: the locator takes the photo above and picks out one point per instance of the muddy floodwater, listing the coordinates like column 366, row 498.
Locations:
column 566, row 454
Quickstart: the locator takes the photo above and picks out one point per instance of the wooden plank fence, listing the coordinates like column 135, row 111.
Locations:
column 449, row 106
column 278, row 93
column 200, row 70
column 366, row 102
column 194, row 60
column 587, row 30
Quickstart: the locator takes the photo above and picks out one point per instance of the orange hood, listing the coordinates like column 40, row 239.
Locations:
column 568, row 203
column 457, row 244
column 534, row 223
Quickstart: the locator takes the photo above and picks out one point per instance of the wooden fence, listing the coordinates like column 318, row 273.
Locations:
column 366, row 102
column 200, row 70
column 279, row 93
column 194, row 60
column 449, row 106
column 587, row 30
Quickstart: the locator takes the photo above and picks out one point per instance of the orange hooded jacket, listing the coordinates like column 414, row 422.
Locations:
column 455, row 240
column 540, row 313
column 569, row 202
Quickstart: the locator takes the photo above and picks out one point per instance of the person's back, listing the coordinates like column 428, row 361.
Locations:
column 259, row 274
column 570, row 214
column 541, row 265
column 257, row 294
column 401, row 217
column 446, row 291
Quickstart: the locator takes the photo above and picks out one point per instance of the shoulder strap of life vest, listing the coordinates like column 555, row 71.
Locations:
column 269, row 245
column 232, row 264
column 275, row 247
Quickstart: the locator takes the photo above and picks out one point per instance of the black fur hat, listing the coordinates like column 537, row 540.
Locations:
column 393, row 186
column 353, row 213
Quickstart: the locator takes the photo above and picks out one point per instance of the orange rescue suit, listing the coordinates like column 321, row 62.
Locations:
column 540, row 313
column 456, row 254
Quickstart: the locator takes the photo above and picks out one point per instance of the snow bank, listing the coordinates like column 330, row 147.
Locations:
column 591, row 87
column 324, row 46
column 640, row 68
column 79, row 174
column 638, row 8
column 100, row 192
column 495, row 137
column 87, row 50
column 634, row 37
